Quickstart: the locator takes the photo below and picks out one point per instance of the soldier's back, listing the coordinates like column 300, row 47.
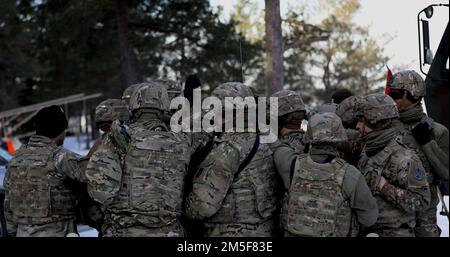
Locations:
column 151, row 191
column 250, row 206
column 40, row 200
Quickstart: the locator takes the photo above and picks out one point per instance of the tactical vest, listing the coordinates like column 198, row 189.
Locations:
column 37, row 193
column 251, row 198
column 152, row 184
column 385, row 163
column 315, row 205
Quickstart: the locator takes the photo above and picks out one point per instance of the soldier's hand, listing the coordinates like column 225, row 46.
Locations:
column 422, row 133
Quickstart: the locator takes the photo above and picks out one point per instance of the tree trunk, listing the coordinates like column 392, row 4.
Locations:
column 274, row 47
column 127, row 56
column 326, row 78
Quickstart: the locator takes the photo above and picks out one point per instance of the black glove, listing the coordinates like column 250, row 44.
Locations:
column 422, row 133
column 192, row 82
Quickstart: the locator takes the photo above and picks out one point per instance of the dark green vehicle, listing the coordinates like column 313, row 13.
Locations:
column 437, row 76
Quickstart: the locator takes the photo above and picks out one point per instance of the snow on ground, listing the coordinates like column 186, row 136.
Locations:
column 79, row 147
column 442, row 219
column 86, row 231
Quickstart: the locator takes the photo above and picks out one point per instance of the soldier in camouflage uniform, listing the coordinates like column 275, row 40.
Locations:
column 234, row 190
column 107, row 112
column 291, row 113
column 41, row 181
column 345, row 111
column 327, row 196
column 427, row 138
column 393, row 172
column 143, row 190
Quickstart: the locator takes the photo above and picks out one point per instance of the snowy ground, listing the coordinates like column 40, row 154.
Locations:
column 86, row 231
column 442, row 219
column 79, row 146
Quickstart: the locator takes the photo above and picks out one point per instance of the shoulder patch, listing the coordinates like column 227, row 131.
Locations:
column 418, row 174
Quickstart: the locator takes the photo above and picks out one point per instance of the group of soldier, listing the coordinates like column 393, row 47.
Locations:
column 365, row 165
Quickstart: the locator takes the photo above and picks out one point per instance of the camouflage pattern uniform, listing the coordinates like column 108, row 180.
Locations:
column 233, row 203
column 104, row 148
column 406, row 190
column 151, row 174
column 41, row 192
column 433, row 154
column 327, row 196
column 345, row 111
column 290, row 102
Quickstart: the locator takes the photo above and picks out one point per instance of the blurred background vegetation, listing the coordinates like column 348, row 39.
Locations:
column 54, row 48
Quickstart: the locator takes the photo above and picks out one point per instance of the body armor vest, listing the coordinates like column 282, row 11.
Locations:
column 385, row 163
column 251, row 198
column 153, row 176
column 315, row 205
column 37, row 193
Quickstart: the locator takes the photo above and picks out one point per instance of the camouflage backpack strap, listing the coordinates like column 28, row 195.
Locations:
column 341, row 167
column 249, row 157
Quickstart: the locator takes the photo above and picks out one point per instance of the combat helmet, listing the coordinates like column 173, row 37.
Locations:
column 326, row 107
column 174, row 88
column 128, row 92
column 345, row 110
column 231, row 89
column 325, row 127
column 289, row 102
column 410, row 81
column 377, row 107
column 110, row 110
column 150, row 96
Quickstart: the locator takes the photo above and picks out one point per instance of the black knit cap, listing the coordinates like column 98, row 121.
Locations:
column 340, row 95
column 50, row 121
